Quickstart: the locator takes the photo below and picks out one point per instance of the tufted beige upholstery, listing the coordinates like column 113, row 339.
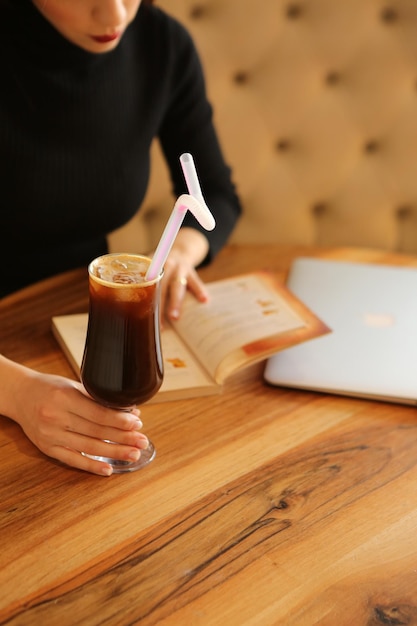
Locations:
column 316, row 107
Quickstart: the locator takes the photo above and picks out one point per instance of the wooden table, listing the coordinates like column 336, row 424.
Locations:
column 263, row 506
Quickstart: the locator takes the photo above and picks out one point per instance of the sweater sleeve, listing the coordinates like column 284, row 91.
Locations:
column 188, row 127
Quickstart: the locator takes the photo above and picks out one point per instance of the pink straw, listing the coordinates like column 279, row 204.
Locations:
column 193, row 184
column 183, row 204
column 191, row 178
column 193, row 202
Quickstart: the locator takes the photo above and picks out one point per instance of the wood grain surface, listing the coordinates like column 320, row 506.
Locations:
column 264, row 506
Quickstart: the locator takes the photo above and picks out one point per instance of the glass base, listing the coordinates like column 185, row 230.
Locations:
column 121, row 467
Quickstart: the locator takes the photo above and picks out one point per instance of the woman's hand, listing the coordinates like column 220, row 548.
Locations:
column 60, row 418
column 189, row 250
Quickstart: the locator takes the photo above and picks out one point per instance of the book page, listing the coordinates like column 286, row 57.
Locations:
column 247, row 318
column 240, row 311
column 182, row 371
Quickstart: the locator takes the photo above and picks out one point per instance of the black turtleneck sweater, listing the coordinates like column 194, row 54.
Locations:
column 75, row 136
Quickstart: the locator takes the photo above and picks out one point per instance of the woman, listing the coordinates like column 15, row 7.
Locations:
column 86, row 87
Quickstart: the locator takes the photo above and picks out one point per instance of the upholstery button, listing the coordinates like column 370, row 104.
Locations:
column 241, row 77
column 319, row 208
column 294, row 11
column 372, row 146
column 197, row 11
column 332, row 78
column 404, row 212
column 282, row 145
column 389, row 15
column 151, row 213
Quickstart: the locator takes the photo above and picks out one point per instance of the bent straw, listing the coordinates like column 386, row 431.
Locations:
column 194, row 189
column 184, row 203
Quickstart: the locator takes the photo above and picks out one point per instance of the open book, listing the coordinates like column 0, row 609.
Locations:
column 247, row 319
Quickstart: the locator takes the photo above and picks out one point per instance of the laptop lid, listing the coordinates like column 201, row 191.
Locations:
column 372, row 351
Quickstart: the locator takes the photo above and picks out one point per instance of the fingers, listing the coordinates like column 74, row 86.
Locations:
column 190, row 249
column 83, row 437
column 97, row 416
column 87, row 437
column 177, row 282
column 76, row 459
column 91, row 431
column 176, row 292
column 63, row 421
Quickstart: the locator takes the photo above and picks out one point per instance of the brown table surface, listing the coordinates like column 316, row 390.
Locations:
column 263, row 506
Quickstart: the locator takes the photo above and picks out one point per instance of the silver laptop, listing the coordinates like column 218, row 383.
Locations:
column 372, row 351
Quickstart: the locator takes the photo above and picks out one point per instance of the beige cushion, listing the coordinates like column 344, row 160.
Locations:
column 316, row 108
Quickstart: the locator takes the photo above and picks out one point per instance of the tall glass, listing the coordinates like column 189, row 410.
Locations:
column 122, row 364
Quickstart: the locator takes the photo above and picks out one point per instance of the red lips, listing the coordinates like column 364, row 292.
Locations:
column 105, row 38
